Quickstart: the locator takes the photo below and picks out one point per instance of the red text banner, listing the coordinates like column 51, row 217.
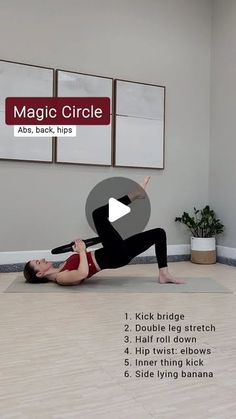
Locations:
column 57, row 111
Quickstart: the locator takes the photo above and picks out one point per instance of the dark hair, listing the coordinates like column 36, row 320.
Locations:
column 30, row 275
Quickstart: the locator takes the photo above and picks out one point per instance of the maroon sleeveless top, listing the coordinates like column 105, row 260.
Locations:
column 72, row 263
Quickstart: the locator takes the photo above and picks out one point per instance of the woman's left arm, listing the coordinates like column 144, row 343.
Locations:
column 83, row 265
column 79, row 247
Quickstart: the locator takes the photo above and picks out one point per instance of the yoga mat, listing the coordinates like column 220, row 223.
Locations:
column 122, row 284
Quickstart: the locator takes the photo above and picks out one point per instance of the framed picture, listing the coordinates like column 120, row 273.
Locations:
column 23, row 80
column 139, row 125
column 93, row 143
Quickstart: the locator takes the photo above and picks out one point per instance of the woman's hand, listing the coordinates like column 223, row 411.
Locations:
column 79, row 246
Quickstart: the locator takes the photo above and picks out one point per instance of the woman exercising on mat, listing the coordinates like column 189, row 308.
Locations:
column 115, row 252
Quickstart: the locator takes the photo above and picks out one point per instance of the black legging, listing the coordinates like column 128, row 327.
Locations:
column 117, row 252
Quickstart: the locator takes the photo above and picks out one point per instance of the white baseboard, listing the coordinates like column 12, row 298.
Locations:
column 7, row 258
column 179, row 249
column 23, row 256
column 226, row 252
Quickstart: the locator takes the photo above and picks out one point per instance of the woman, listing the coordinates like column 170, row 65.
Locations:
column 115, row 252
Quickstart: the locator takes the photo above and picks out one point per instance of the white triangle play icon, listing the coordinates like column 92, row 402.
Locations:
column 117, row 210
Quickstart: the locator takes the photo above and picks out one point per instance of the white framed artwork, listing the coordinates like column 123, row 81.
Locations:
column 93, row 143
column 23, row 80
column 139, row 125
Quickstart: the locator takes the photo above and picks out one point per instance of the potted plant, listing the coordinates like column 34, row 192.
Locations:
column 204, row 226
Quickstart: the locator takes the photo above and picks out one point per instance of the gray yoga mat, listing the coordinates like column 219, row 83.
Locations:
column 122, row 284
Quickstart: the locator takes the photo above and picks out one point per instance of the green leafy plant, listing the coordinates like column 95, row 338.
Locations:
column 203, row 224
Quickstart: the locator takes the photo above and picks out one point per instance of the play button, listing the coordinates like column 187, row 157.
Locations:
column 117, row 210
column 128, row 218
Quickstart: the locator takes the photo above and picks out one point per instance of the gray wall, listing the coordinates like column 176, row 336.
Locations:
column 223, row 140
column 163, row 41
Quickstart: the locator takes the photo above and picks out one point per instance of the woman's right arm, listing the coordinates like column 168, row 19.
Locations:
column 70, row 277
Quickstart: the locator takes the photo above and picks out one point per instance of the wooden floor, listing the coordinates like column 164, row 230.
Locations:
column 62, row 355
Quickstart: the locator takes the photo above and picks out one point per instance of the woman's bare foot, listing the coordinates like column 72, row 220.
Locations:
column 139, row 193
column 165, row 277
column 143, row 186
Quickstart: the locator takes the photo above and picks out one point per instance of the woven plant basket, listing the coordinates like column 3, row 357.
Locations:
column 203, row 250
